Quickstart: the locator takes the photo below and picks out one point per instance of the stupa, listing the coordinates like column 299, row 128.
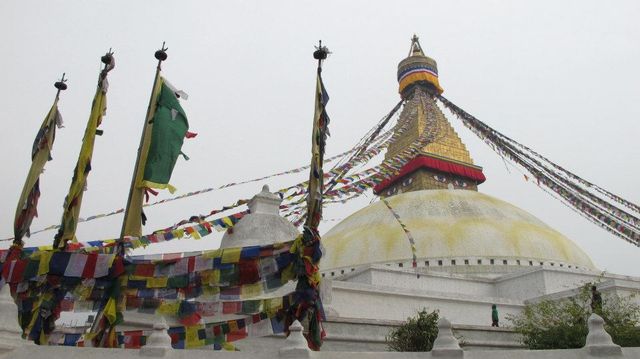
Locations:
column 472, row 250
column 436, row 196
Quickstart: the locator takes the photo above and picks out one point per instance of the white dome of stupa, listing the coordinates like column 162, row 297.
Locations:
column 450, row 227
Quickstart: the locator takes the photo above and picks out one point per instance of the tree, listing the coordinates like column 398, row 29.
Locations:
column 562, row 324
column 416, row 335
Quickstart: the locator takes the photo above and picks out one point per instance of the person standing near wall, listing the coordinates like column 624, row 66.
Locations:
column 494, row 316
column 596, row 301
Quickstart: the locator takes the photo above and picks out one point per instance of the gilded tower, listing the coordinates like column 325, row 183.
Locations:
column 442, row 161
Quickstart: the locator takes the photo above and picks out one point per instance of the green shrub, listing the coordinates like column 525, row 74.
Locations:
column 562, row 324
column 416, row 335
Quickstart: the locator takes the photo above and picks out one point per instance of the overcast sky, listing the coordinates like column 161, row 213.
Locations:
column 559, row 76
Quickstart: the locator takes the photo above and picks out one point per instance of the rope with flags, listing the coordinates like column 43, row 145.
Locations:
column 412, row 242
column 571, row 188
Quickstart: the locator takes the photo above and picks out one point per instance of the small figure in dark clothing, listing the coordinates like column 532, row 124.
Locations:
column 596, row 301
column 494, row 316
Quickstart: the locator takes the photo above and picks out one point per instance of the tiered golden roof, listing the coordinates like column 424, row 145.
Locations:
column 422, row 114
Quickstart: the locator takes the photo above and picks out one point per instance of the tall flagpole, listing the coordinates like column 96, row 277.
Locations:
column 103, row 328
column 73, row 200
column 160, row 55
column 307, row 303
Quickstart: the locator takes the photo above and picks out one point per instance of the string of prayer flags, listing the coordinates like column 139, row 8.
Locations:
column 214, row 336
column 196, row 231
column 412, row 242
column 559, row 180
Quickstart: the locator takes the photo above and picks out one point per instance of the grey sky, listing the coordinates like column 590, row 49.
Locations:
column 559, row 76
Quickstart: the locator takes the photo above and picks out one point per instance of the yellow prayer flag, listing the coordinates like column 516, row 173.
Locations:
column 228, row 347
column 288, row 274
column 211, row 277
column 169, row 308
column 160, row 282
column 41, row 153
column 233, row 326
column 73, row 200
column 227, row 221
column 272, row 306
column 249, row 291
column 110, row 310
column 212, row 254
column 191, row 338
column 211, row 292
column 231, row 255
column 43, row 266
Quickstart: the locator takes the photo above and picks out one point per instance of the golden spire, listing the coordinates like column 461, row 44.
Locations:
column 444, row 162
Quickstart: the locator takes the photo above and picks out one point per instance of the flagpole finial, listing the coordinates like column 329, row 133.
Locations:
column 61, row 85
column 320, row 54
column 161, row 54
column 107, row 59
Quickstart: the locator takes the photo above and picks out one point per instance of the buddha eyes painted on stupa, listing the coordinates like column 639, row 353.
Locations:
column 440, row 178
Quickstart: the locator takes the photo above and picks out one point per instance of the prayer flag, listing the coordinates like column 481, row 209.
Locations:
column 163, row 135
column 40, row 154
column 73, row 201
column 319, row 137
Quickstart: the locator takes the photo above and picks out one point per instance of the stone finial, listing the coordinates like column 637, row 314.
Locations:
column 446, row 345
column 265, row 202
column 295, row 346
column 599, row 342
column 159, row 342
column 10, row 331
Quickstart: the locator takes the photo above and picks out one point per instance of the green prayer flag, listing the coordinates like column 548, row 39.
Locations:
column 170, row 126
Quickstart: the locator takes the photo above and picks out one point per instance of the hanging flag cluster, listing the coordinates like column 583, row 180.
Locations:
column 40, row 154
column 223, row 281
column 578, row 193
column 307, row 306
column 73, row 200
